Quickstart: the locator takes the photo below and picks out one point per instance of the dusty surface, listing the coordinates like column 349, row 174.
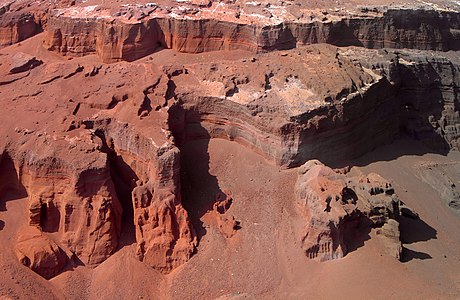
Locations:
column 264, row 260
column 229, row 150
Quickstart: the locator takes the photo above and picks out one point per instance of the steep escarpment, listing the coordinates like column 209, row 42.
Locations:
column 129, row 32
column 289, row 115
column 17, row 28
column 164, row 235
column 18, row 22
column 115, row 38
column 71, row 198
column 93, row 174
column 111, row 41
column 435, row 118
column 404, row 28
column 290, row 142
column 290, row 119
column 427, row 92
column 110, row 156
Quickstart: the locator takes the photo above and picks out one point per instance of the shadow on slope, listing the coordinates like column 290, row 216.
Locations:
column 415, row 230
column 404, row 146
column 11, row 187
column 199, row 188
column 408, row 255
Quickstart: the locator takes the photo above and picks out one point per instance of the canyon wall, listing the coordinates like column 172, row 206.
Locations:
column 19, row 22
column 17, row 28
column 114, row 154
column 88, row 179
column 73, row 199
column 115, row 39
column 164, row 235
column 292, row 115
column 428, row 92
column 316, row 134
column 78, row 200
column 410, row 94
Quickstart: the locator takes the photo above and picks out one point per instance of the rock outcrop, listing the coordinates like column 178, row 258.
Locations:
column 114, row 146
column 226, row 224
column 18, row 22
column 92, row 169
column 22, row 62
column 289, row 115
column 118, row 38
column 129, row 32
column 434, row 119
column 339, row 208
column 70, row 195
column 110, row 155
column 427, row 88
column 164, row 235
column 42, row 255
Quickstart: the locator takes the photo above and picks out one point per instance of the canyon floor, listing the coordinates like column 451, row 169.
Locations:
column 263, row 260
column 200, row 149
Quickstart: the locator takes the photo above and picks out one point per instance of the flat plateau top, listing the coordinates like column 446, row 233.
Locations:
column 239, row 11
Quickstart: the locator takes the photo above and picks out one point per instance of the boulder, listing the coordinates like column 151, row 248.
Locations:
column 39, row 253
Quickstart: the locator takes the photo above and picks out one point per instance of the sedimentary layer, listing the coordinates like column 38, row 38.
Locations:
column 93, row 174
column 115, row 39
column 128, row 32
column 110, row 155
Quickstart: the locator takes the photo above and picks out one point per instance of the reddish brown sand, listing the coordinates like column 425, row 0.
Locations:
column 263, row 260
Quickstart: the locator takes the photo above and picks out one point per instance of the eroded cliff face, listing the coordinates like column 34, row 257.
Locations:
column 19, row 22
column 75, row 199
column 114, row 153
column 340, row 211
column 261, row 109
column 111, row 152
column 164, row 235
column 429, row 93
column 132, row 33
column 426, row 87
column 93, row 171
column 114, row 39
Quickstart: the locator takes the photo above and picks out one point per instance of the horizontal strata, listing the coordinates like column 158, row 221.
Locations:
column 377, row 111
column 112, row 150
column 17, row 28
column 292, row 142
column 114, row 39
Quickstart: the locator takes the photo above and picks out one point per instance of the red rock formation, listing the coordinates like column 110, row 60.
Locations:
column 42, row 255
column 336, row 206
column 69, row 178
column 22, row 62
column 226, row 224
column 73, row 196
column 118, row 39
column 290, row 106
column 289, row 115
column 17, row 28
column 165, row 237
column 19, row 21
